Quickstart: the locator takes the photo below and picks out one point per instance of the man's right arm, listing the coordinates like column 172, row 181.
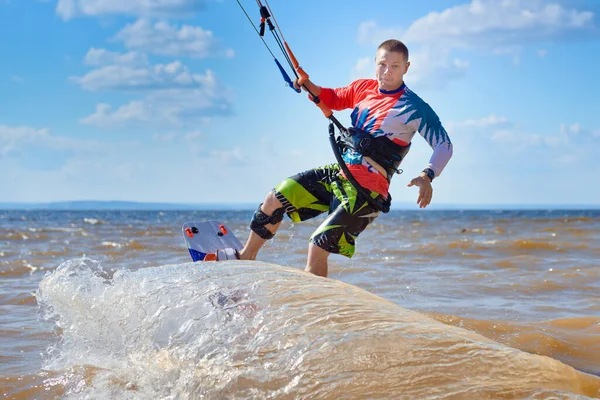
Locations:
column 336, row 99
column 310, row 87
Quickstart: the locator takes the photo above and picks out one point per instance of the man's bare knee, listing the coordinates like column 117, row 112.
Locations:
column 271, row 204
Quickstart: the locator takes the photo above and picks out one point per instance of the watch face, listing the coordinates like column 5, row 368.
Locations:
column 430, row 173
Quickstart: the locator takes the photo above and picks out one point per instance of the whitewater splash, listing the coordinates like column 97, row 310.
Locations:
column 239, row 329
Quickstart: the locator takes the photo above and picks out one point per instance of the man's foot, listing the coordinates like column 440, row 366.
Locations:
column 228, row 254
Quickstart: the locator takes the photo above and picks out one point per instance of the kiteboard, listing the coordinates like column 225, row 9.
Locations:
column 210, row 241
column 213, row 241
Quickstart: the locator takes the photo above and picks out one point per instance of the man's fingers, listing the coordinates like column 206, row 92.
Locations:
column 424, row 197
column 425, row 192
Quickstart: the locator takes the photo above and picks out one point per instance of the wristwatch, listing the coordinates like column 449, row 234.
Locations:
column 430, row 174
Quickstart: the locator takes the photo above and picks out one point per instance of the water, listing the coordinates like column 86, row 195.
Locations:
column 435, row 304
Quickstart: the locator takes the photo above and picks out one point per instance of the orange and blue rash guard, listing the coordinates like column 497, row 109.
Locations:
column 398, row 115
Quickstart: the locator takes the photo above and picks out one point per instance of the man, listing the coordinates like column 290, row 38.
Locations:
column 385, row 110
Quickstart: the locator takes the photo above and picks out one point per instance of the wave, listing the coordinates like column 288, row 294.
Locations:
column 240, row 329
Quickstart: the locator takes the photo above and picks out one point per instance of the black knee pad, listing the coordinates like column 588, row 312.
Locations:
column 260, row 219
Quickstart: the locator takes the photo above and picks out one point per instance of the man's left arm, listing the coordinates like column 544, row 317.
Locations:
column 430, row 127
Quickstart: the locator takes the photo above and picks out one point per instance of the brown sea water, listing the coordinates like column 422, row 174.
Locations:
column 435, row 304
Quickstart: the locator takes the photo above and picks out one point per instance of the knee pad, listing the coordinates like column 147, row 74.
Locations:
column 260, row 219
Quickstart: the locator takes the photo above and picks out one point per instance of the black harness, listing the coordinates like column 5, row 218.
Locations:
column 381, row 149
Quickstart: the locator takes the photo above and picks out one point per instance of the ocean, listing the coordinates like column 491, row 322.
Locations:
column 479, row 304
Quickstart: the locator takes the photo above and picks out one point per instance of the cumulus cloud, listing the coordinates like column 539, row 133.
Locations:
column 364, row 68
column 430, row 68
column 12, row 137
column 173, row 94
column 169, row 40
column 151, row 77
column 173, row 108
column 492, row 23
column 19, row 139
column 68, row 9
column 577, row 132
column 434, row 67
column 370, row 33
column 102, row 57
column 227, row 156
column 491, row 120
column 518, row 139
column 573, row 136
column 499, row 27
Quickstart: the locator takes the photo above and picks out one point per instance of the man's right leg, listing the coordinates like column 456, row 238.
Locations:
column 259, row 233
column 302, row 196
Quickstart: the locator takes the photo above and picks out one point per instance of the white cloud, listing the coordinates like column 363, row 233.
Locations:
column 69, row 9
column 102, row 57
column 571, row 136
column 497, row 26
column 165, row 137
column 20, row 139
column 434, row 67
column 12, row 137
column 165, row 39
column 517, row 139
column 577, row 132
column 430, row 68
column 193, row 136
column 494, row 23
column 228, row 156
column 173, row 94
column 169, row 108
column 575, row 128
column 156, row 77
column 364, row 68
column 491, row 120
column 173, row 136
column 370, row 33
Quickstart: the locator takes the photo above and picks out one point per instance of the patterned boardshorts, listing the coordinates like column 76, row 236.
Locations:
column 313, row 192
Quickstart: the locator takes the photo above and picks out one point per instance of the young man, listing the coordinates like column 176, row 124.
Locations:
column 386, row 110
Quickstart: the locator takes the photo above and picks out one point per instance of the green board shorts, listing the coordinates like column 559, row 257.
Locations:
column 313, row 192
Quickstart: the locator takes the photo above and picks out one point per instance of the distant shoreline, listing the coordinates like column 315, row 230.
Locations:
column 141, row 206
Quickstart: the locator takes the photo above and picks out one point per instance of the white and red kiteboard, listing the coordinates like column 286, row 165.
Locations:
column 210, row 241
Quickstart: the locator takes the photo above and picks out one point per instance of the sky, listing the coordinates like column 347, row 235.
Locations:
column 180, row 101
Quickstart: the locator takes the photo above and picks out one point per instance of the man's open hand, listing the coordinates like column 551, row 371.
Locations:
column 425, row 190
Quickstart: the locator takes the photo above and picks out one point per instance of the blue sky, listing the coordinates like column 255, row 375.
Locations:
column 179, row 101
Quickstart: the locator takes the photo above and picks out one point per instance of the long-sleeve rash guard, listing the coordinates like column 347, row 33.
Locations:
column 398, row 115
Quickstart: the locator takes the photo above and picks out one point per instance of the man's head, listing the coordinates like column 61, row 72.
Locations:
column 391, row 63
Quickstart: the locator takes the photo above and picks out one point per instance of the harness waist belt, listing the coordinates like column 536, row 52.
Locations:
column 381, row 149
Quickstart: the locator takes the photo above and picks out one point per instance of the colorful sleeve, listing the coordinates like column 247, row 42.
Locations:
column 343, row 98
column 435, row 135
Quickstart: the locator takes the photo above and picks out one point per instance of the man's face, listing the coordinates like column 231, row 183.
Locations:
column 390, row 67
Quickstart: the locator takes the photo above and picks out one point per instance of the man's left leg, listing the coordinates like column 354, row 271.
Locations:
column 337, row 234
column 317, row 260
